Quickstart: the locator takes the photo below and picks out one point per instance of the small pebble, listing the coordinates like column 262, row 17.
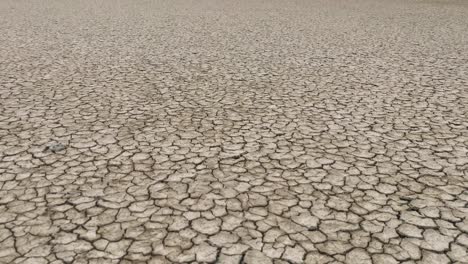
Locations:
column 55, row 146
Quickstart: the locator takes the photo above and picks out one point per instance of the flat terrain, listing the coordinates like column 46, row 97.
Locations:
column 246, row 131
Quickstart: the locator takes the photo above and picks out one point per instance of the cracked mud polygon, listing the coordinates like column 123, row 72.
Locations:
column 219, row 131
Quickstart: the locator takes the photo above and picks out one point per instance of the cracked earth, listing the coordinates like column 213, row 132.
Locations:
column 234, row 131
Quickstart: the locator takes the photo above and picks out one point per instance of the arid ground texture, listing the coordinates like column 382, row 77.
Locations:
column 244, row 131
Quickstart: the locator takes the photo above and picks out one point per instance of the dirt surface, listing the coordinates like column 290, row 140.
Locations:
column 247, row 131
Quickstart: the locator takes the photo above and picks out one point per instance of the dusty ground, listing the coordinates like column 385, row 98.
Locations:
column 248, row 131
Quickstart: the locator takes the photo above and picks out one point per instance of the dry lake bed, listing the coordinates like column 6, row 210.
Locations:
column 215, row 131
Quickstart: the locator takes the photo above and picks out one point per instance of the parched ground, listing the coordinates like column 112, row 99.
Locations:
column 246, row 131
